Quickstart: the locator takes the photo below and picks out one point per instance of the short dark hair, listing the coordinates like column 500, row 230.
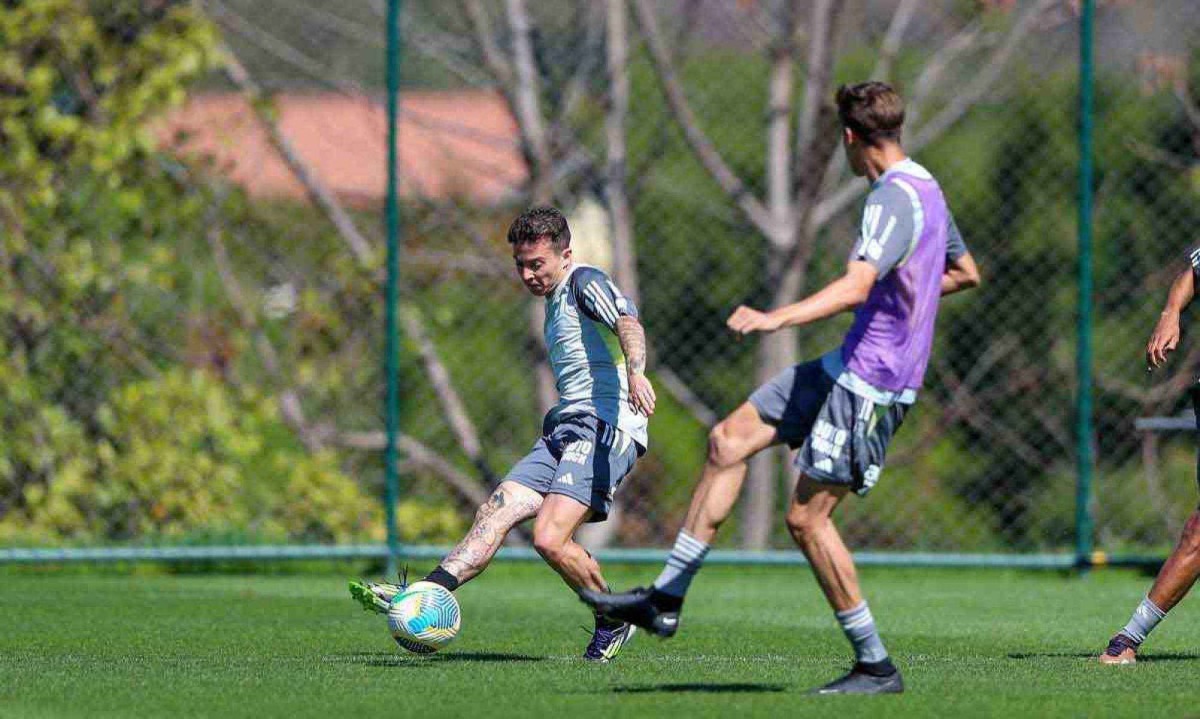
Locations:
column 540, row 222
column 873, row 110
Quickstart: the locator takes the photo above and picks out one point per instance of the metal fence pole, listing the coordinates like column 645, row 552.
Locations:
column 1083, row 408
column 391, row 479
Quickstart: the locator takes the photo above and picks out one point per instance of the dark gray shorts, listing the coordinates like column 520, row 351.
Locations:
column 581, row 457
column 842, row 437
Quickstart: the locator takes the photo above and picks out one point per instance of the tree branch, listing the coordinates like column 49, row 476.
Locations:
column 779, row 121
column 456, row 414
column 452, row 404
column 290, row 406
column 893, row 39
column 575, row 86
column 982, row 83
column 931, row 75
column 321, row 195
column 965, row 98
column 418, row 453
column 673, row 383
column 615, row 121
column 702, row 147
column 819, row 71
column 527, row 106
column 493, row 59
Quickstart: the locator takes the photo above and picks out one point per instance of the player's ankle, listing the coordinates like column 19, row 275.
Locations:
column 881, row 668
column 443, row 578
column 603, row 622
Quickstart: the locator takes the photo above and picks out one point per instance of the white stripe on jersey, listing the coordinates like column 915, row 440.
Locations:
column 603, row 307
column 604, row 301
column 918, row 218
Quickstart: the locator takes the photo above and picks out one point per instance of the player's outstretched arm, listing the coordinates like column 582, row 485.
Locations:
column 633, row 344
column 1165, row 337
column 845, row 293
column 961, row 274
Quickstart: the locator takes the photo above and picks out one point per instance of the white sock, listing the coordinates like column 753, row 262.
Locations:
column 682, row 564
column 1145, row 618
column 859, row 626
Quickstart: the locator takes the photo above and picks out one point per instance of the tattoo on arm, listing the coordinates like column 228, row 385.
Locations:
column 633, row 344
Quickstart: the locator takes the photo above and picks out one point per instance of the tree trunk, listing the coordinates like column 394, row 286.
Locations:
column 596, row 536
column 777, row 352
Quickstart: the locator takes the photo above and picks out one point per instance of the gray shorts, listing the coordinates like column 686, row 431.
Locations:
column 842, row 437
column 580, row 456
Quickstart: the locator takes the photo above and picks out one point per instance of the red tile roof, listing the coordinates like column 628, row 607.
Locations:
column 461, row 144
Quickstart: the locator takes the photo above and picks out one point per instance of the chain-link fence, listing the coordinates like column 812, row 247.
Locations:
column 194, row 328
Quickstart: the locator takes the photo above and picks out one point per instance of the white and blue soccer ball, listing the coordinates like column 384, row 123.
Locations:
column 424, row 617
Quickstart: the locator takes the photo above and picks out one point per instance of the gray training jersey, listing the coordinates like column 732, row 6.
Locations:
column 589, row 367
column 908, row 235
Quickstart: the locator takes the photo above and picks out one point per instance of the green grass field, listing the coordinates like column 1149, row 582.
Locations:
column 971, row 643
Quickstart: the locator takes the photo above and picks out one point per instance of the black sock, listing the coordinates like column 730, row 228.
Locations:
column 443, row 578
column 880, row 668
column 665, row 602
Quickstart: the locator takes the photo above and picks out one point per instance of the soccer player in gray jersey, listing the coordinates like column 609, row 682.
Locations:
column 841, row 410
column 1182, row 568
column 589, row 441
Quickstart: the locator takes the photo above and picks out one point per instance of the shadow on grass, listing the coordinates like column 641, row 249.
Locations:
column 700, row 688
column 1164, row 657
column 395, row 659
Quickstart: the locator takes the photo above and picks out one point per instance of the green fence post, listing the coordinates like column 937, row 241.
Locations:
column 1083, row 408
column 391, row 480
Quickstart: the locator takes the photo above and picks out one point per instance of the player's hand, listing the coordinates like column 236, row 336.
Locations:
column 745, row 320
column 1163, row 340
column 641, row 394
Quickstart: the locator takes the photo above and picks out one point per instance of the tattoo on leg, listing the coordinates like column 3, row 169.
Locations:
column 492, row 524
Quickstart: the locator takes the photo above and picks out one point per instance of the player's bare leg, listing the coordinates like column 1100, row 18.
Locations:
column 554, row 539
column 810, row 522
column 734, row 440
column 509, row 505
column 1172, row 584
column 1181, row 569
column 731, row 443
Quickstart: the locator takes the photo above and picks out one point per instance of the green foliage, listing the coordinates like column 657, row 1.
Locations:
column 135, row 405
column 82, row 80
column 180, row 455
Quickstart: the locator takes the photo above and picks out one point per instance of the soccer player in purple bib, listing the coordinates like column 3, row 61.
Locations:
column 841, row 410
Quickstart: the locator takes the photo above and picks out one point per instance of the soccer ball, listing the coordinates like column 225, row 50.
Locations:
column 424, row 617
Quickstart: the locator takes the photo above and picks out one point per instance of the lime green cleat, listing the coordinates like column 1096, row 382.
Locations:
column 374, row 596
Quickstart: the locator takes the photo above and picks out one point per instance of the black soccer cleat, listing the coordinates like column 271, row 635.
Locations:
column 637, row 607
column 858, row 681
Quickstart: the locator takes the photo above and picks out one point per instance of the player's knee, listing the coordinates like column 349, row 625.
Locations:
column 1190, row 541
column 724, row 448
column 803, row 521
column 550, row 545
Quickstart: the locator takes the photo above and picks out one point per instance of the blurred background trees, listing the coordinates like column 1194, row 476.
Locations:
column 191, row 346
